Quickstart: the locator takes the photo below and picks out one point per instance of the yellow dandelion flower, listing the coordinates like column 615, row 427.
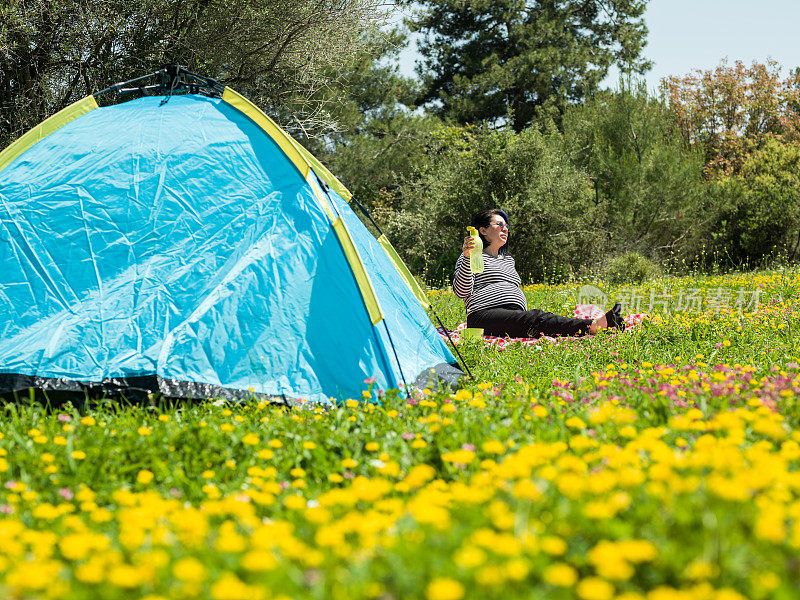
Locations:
column 259, row 560
column 444, row 588
column 594, row 588
column 189, row 570
column 575, row 423
column 493, row 447
column 560, row 575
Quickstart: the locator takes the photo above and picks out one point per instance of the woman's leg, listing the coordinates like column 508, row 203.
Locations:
column 546, row 323
column 503, row 322
column 500, row 322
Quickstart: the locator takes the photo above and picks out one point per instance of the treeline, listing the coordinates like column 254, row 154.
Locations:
column 506, row 110
column 285, row 55
column 702, row 174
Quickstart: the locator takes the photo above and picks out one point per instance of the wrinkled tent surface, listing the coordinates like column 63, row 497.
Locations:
column 179, row 247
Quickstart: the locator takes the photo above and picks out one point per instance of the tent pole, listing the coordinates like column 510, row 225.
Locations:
column 119, row 86
column 367, row 214
column 176, row 78
column 452, row 343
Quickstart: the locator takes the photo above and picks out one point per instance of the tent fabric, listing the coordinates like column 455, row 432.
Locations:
column 45, row 128
column 401, row 267
column 302, row 159
column 403, row 312
column 175, row 247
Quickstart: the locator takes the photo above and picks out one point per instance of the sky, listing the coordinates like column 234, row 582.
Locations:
column 697, row 34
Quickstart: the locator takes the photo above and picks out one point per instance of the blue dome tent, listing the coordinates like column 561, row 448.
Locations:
column 183, row 244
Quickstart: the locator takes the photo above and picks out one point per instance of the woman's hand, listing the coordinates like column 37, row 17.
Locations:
column 469, row 244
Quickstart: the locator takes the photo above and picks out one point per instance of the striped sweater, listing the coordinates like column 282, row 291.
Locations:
column 498, row 284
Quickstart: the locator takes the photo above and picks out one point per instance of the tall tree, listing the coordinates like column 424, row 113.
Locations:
column 380, row 141
column 278, row 52
column 731, row 110
column 497, row 61
column 646, row 179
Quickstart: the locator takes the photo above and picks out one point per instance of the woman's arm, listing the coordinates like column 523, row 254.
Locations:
column 463, row 280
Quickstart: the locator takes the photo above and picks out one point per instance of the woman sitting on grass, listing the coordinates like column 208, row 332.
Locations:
column 494, row 300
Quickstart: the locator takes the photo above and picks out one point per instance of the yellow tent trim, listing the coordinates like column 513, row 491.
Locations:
column 339, row 187
column 351, row 254
column 323, row 171
column 278, row 135
column 364, row 283
column 302, row 158
column 401, row 267
column 307, row 165
column 45, row 128
column 322, row 198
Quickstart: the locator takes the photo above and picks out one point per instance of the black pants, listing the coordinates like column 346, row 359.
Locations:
column 510, row 320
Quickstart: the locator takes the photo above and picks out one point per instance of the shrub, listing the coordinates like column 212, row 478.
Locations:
column 646, row 182
column 527, row 174
column 754, row 215
column 630, row 268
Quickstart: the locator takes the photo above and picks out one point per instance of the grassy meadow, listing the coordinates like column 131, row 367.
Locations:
column 662, row 463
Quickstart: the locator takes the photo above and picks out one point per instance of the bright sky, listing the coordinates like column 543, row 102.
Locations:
column 698, row 34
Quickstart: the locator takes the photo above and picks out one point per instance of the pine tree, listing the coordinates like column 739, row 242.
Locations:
column 499, row 61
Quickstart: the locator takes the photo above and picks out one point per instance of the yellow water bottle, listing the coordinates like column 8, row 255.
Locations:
column 476, row 254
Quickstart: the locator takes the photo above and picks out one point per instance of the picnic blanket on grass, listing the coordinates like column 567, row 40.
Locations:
column 582, row 311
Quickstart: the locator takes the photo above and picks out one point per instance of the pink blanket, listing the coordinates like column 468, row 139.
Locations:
column 582, row 311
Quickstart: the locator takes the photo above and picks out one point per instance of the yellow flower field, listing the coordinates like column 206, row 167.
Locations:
column 658, row 464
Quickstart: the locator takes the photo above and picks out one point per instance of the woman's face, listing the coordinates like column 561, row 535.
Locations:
column 496, row 233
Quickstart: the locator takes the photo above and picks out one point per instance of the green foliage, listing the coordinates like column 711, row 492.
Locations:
column 502, row 61
column 728, row 112
column 280, row 54
column 756, row 214
column 647, row 184
column 469, row 169
column 630, row 268
column 379, row 140
column 373, row 162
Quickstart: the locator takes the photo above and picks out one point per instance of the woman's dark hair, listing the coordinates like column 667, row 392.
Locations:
column 484, row 219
